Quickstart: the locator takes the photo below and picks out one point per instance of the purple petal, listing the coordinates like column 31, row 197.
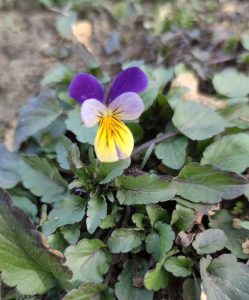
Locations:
column 85, row 86
column 130, row 80
column 128, row 106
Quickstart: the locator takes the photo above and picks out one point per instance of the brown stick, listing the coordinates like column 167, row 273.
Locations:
column 155, row 141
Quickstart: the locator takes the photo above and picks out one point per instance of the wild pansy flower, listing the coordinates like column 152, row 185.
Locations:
column 114, row 139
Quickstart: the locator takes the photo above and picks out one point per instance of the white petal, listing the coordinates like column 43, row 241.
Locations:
column 91, row 112
column 128, row 106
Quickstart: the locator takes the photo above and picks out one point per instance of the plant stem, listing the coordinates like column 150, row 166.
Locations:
column 144, row 146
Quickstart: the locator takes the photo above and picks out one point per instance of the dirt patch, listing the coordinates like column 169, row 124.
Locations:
column 29, row 39
column 24, row 37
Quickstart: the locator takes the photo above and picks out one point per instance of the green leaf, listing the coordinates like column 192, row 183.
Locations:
column 82, row 133
column 153, row 245
column 125, row 289
column 123, row 240
column 208, row 184
column 158, row 78
column 192, row 289
column 89, row 261
column 24, row 201
column 42, row 179
column 140, row 220
column 58, row 74
column 62, row 149
column 230, row 153
column 143, row 190
column 245, row 225
column 237, row 115
column 231, row 83
column 179, row 266
column 112, row 219
column 36, row 115
column 96, row 212
column 68, row 211
column 182, row 218
column 64, row 24
column 197, row 121
column 25, row 261
column 209, row 241
column 71, row 233
column 157, row 213
column 157, row 278
column 224, row 278
column 172, row 152
column 245, row 41
column 106, row 172
column 9, row 168
column 166, row 235
column 235, row 237
column 87, row 291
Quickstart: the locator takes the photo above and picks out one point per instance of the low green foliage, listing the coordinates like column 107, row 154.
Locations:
column 135, row 228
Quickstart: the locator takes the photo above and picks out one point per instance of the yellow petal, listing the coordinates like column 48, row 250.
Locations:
column 113, row 141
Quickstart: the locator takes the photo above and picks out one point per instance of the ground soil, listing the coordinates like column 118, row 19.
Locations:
column 28, row 39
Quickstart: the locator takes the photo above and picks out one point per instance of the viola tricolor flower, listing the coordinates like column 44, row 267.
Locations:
column 114, row 139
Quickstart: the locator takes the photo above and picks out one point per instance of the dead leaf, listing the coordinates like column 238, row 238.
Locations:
column 82, row 31
column 229, row 8
column 184, row 239
column 9, row 135
column 191, row 82
column 203, row 296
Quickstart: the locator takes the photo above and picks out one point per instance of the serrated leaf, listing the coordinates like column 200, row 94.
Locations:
column 237, row 115
column 106, row 172
column 179, row 266
column 123, row 240
column 75, row 125
column 96, row 212
column 172, row 152
column 42, row 179
column 224, row 278
column 208, row 184
column 231, row 83
column 197, row 121
column 125, row 289
column 166, row 235
column 157, row 278
column 25, row 261
column 36, row 115
column 71, row 233
column 111, row 220
column 62, row 150
column 153, row 245
column 140, row 220
column 9, row 168
column 209, row 241
column 143, row 190
column 68, row 211
column 87, row 291
column 235, row 237
column 58, row 74
column 88, row 260
column 230, row 153
column 157, row 213
column 182, row 218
